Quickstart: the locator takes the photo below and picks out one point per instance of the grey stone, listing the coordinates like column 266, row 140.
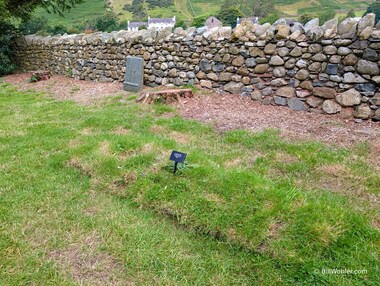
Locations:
column 302, row 64
column 250, row 62
column 363, row 111
column 370, row 55
column 319, row 57
column 278, row 82
column 296, row 52
column 219, row 67
column 331, row 107
column 238, row 61
column 332, row 69
column 314, row 101
column 267, row 91
column 276, row 61
column 302, row 74
column 283, row 52
column 366, row 87
column 331, row 28
column 256, row 95
column 279, row 72
column 280, row 100
column 324, row 92
column 365, row 26
column 367, row 67
column 314, row 48
column 375, row 100
column 205, row 65
column 133, row 80
column 286, row 91
column 349, row 98
column 335, row 59
column 261, row 68
column 311, row 25
column 344, row 51
column 234, row 87
column 330, row 50
column 315, row 67
column 347, row 28
column 297, row 104
column 269, row 49
column 350, row 60
column 352, row 78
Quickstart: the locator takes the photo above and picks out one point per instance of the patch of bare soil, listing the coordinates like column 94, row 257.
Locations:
column 227, row 112
column 65, row 88
column 87, row 266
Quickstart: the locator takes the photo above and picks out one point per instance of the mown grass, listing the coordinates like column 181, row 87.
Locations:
column 88, row 196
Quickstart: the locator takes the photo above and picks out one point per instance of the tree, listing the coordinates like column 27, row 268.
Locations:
column 351, row 14
column 199, row 21
column 325, row 16
column 229, row 16
column 11, row 12
column 374, row 8
column 34, row 25
column 257, row 8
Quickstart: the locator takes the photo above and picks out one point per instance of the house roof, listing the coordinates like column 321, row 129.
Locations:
column 137, row 24
column 161, row 20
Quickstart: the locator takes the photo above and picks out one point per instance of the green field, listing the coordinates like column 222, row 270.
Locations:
column 87, row 197
column 181, row 8
column 77, row 15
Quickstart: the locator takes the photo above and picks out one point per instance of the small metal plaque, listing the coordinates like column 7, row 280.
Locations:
column 178, row 157
column 133, row 80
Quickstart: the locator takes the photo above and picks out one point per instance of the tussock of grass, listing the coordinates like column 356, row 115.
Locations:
column 246, row 209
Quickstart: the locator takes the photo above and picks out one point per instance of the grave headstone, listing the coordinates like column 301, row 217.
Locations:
column 133, row 80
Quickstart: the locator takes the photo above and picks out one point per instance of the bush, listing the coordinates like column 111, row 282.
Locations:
column 181, row 23
column 271, row 18
column 34, row 25
column 7, row 32
column 199, row 21
column 106, row 23
column 59, row 29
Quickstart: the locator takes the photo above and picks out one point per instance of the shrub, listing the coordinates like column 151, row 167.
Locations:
column 34, row 25
column 6, row 63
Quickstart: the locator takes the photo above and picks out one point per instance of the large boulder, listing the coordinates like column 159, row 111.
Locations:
column 347, row 28
column 366, row 25
column 331, row 28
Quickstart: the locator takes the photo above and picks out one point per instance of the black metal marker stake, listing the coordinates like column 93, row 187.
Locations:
column 177, row 157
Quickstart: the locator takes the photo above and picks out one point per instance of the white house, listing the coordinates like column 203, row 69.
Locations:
column 134, row 26
column 161, row 23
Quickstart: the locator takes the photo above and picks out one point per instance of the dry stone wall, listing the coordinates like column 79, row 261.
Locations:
column 325, row 69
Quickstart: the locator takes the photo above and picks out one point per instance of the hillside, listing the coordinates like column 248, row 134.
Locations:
column 188, row 9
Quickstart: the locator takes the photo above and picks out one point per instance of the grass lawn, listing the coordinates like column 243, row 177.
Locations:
column 87, row 196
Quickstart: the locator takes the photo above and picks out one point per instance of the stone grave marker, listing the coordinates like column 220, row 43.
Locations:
column 133, row 80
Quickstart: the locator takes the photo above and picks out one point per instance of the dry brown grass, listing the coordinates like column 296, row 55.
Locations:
column 86, row 265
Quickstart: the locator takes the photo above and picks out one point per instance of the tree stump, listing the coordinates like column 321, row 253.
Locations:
column 165, row 96
column 41, row 75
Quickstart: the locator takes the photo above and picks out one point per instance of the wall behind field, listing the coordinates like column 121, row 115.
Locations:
column 331, row 69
